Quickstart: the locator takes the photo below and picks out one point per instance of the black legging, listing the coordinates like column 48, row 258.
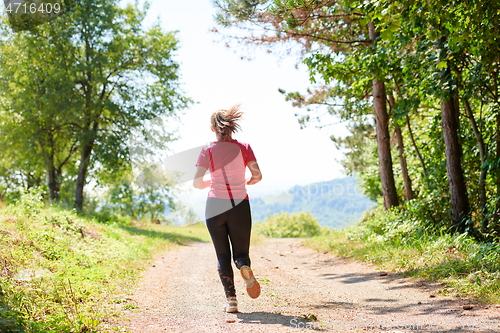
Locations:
column 233, row 225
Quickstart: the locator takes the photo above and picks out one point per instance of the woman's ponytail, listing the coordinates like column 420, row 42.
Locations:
column 225, row 122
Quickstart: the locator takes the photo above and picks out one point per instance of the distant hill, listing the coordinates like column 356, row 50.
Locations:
column 334, row 203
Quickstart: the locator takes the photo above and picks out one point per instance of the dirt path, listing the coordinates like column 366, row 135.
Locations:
column 182, row 293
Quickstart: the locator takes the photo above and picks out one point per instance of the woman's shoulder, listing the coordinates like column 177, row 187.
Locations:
column 244, row 144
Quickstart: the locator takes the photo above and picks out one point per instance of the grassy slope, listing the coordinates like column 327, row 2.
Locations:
column 60, row 272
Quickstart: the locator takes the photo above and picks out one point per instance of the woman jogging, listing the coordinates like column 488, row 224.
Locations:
column 227, row 211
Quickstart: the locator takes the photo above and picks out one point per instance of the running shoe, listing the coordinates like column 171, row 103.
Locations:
column 252, row 285
column 231, row 305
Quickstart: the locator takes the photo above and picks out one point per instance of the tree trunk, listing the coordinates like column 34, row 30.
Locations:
column 47, row 149
column 383, row 137
column 458, row 191
column 420, row 158
column 33, row 180
column 85, row 154
column 404, row 167
column 82, row 173
column 483, row 173
column 450, row 123
column 401, row 153
column 52, row 182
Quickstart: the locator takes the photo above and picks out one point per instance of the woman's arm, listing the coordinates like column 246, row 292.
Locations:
column 256, row 174
column 198, row 181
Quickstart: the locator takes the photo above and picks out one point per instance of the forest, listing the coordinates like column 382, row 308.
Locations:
column 80, row 95
column 417, row 84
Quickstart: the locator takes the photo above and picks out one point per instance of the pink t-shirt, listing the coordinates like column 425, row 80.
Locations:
column 226, row 161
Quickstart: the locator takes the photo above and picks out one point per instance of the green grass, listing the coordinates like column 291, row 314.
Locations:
column 60, row 272
column 288, row 225
column 395, row 242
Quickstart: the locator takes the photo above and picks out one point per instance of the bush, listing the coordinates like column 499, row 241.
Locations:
column 289, row 225
column 403, row 224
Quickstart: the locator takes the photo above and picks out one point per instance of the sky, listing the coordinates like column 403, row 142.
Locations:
column 216, row 77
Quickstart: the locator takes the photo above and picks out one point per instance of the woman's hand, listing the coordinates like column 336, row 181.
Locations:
column 198, row 181
column 252, row 181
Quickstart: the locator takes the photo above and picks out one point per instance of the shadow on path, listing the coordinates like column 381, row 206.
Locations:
column 389, row 306
column 429, row 312
column 352, row 277
column 173, row 237
column 396, row 280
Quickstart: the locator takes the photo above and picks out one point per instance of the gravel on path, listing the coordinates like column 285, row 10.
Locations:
column 302, row 291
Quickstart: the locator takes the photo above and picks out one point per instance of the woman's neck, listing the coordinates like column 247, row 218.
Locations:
column 220, row 138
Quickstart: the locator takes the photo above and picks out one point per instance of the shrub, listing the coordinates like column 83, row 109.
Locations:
column 289, row 225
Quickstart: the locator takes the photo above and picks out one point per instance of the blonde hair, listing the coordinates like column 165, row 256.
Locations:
column 225, row 122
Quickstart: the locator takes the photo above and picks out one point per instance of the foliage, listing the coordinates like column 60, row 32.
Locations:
column 288, row 225
column 61, row 272
column 75, row 89
column 123, row 194
column 439, row 63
